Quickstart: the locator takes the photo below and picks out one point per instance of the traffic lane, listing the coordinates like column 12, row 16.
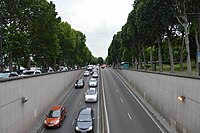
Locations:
column 130, row 102
column 73, row 103
column 124, row 112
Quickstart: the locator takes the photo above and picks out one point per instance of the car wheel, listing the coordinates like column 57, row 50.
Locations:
column 60, row 125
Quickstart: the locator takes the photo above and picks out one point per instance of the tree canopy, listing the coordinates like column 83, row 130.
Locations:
column 154, row 27
column 33, row 34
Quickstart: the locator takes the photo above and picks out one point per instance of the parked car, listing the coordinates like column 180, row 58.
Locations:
column 55, row 117
column 86, row 73
column 91, row 95
column 95, row 75
column 7, row 74
column 93, row 82
column 79, row 83
column 30, row 72
column 85, row 121
column 62, row 68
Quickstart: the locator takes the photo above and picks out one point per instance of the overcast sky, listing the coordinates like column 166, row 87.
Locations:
column 99, row 20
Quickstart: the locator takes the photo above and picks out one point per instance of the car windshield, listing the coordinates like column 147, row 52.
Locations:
column 93, row 81
column 84, row 118
column 54, row 113
column 80, row 81
column 91, row 92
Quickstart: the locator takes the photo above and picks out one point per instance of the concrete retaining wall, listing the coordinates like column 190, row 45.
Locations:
column 162, row 91
column 41, row 91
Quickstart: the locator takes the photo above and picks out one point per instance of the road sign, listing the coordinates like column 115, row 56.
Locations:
column 198, row 57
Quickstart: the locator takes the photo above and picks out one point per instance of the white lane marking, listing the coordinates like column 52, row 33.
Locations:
column 141, row 105
column 129, row 116
column 117, row 90
column 80, row 103
column 42, row 130
column 105, row 107
column 121, row 100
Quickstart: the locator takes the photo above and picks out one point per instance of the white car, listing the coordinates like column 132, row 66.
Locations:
column 86, row 73
column 95, row 75
column 93, row 82
column 30, row 72
column 91, row 95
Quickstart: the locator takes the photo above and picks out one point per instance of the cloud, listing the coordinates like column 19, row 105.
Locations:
column 99, row 20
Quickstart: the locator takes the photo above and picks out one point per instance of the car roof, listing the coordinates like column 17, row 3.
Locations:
column 57, row 107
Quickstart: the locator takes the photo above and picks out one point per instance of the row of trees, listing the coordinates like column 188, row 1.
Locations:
column 32, row 33
column 158, row 30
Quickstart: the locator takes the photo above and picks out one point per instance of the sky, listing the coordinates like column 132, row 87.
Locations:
column 99, row 20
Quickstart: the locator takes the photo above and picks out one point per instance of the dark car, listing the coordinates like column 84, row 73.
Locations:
column 55, row 117
column 79, row 83
column 85, row 121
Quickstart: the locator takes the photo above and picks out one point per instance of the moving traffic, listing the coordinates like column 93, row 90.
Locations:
column 106, row 107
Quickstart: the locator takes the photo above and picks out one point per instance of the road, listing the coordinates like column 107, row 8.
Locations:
column 125, row 115
column 74, row 102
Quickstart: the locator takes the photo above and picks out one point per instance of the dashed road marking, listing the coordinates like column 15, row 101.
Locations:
column 129, row 116
column 117, row 90
column 121, row 100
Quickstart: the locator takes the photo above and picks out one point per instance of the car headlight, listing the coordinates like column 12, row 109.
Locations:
column 57, row 122
column 90, row 128
column 45, row 121
column 77, row 128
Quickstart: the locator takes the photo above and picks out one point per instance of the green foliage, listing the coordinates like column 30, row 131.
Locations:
column 151, row 21
column 32, row 28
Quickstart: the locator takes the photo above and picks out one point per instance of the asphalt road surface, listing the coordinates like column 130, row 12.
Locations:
column 73, row 103
column 125, row 114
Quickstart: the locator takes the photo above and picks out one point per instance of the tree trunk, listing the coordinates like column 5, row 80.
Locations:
column 159, row 56
column 10, row 61
column 181, row 52
column 136, row 63
column 132, row 61
column 145, row 68
column 171, row 56
column 29, row 63
column 151, row 58
column 197, row 44
column 140, row 62
column 187, row 43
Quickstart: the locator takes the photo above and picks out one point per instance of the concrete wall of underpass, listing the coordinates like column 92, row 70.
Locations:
column 41, row 90
column 162, row 91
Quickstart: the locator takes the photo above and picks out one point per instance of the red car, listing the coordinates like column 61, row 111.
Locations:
column 55, row 117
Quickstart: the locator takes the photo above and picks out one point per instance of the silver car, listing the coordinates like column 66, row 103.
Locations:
column 86, row 73
column 91, row 95
column 93, row 82
column 95, row 75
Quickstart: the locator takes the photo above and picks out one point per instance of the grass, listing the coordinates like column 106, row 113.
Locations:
column 166, row 68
